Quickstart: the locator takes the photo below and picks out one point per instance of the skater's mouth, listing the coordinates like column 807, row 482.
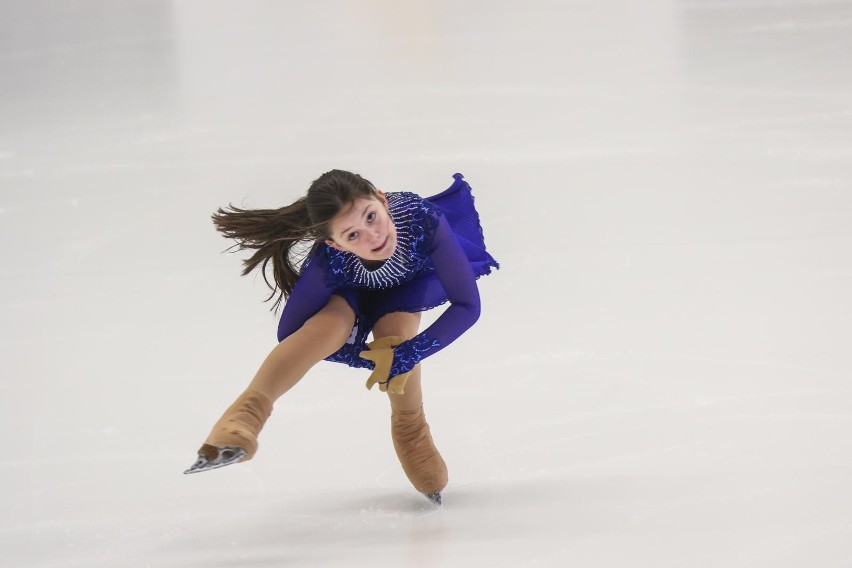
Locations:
column 382, row 246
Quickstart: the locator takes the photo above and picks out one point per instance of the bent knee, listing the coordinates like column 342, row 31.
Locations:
column 335, row 320
column 402, row 324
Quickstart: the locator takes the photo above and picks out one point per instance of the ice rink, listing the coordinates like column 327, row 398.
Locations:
column 661, row 373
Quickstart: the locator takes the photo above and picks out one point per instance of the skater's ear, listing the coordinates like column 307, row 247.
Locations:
column 334, row 245
column 380, row 195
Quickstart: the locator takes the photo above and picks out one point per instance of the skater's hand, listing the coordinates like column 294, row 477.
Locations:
column 381, row 353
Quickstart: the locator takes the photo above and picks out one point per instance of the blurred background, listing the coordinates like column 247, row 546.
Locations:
column 660, row 376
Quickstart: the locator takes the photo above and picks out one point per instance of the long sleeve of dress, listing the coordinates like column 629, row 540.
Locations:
column 309, row 295
column 457, row 278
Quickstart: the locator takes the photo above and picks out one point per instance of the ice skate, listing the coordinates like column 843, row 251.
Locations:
column 234, row 437
column 211, row 457
column 420, row 459
column 435, row 498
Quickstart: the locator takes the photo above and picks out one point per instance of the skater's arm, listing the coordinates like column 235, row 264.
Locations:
column 309, row 295
column 456, row 276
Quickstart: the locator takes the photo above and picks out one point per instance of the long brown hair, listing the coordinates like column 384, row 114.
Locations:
column 284, row 236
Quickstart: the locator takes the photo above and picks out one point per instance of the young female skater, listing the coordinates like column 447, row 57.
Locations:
column 377, row 261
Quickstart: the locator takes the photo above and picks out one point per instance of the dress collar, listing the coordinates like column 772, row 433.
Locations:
column 395, row 270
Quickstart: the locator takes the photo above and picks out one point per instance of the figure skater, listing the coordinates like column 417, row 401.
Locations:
column 374, row 262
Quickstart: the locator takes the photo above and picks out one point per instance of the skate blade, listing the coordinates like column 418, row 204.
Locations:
column 435, row 498
column 225, row 456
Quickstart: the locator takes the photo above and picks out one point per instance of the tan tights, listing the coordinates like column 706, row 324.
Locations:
column 412, row 439
column 290, row 360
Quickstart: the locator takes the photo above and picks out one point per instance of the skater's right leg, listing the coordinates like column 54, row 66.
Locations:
column 234, row 437
column 412, row 438
column 319, row 337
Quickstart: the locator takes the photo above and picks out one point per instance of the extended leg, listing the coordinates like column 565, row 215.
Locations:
column 412, row 439
column 234, row 437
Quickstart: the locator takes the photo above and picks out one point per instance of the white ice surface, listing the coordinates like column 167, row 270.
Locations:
column 661, row 375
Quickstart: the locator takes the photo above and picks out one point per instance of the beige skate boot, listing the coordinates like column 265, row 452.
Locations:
column 417, row 453
column 234, row 437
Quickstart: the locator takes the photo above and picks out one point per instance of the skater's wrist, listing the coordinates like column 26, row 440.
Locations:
column 409, row 353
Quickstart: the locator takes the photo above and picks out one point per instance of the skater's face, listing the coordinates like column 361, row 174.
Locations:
column 365, row 229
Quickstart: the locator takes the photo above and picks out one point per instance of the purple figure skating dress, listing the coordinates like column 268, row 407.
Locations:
column 439, row 255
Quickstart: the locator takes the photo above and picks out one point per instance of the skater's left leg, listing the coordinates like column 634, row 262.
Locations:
column 412, row 439
column 234, row 436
